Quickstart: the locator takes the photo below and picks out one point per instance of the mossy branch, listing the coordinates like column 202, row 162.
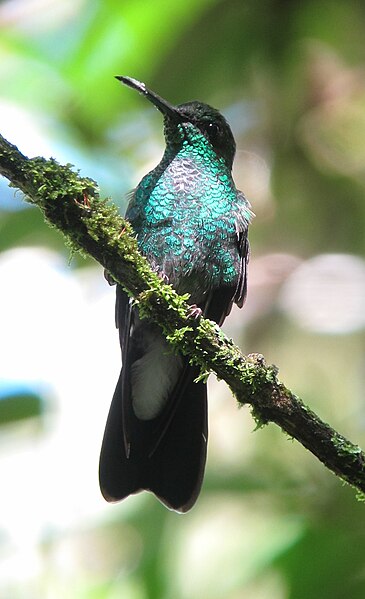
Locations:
column 93, row 226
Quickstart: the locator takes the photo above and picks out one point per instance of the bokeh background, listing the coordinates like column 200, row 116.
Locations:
column 271, row 522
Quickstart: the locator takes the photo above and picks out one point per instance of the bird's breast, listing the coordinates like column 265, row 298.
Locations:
column 187, row 226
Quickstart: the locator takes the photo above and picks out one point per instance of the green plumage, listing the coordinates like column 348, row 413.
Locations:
column 191, row 224
column 188, row 214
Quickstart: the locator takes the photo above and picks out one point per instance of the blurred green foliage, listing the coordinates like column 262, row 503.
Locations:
column 290, row 76
column 19, row 406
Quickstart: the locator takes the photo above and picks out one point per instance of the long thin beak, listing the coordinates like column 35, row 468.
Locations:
column 163, row 106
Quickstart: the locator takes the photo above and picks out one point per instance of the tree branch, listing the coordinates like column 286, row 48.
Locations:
column 93, row 226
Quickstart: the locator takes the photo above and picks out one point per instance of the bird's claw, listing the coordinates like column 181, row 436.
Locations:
column 161, row 275
column 194, row 311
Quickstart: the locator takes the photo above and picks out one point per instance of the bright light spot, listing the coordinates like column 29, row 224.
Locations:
column 24, row 130
column 57, row 329
column 252, row 174
column 38, row 15
column 327, row 294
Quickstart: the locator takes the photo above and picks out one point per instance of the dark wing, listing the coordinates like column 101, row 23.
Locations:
column 176, row 467
column 243, row 218
column 244, row 252
column 165, row 455
column 115, row 446
column 219, row 303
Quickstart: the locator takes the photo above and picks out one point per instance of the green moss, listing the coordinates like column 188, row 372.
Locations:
column 177, row 337
column 51, row 181
column 259, row 421
column 344, row 447
column 203, row 376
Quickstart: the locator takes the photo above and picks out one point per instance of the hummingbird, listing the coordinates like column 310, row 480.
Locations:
column 191, row 224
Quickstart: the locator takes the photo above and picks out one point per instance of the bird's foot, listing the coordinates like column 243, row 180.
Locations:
column 194, row 311
column 161, row 275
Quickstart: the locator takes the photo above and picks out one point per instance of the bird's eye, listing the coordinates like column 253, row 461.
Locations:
column 212, row 129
